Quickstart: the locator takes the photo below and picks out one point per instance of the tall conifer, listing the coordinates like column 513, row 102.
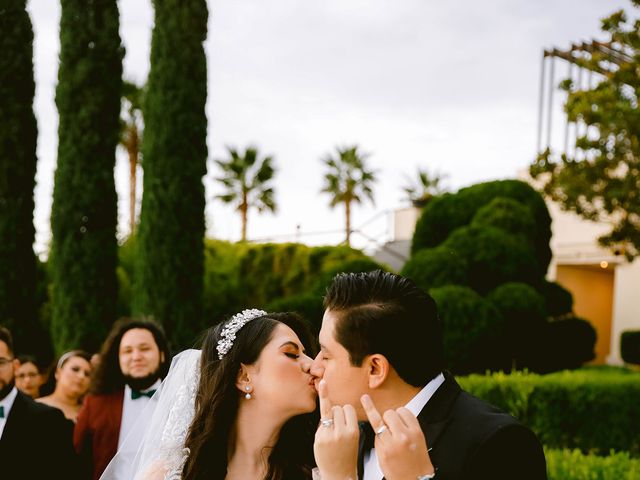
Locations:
column 83, row 217
column 170, row 253
column 18, row 137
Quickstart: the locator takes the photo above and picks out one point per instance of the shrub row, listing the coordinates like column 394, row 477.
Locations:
column 594, row 410
column 574, row 465
column 630, row 346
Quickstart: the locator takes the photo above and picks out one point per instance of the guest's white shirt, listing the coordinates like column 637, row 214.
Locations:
column 131, row 410
column 6, row 403
column 416, row 404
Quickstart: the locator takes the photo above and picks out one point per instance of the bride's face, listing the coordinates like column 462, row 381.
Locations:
column 280, row 378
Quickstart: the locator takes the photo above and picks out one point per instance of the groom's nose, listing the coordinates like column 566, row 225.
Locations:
column 317, row 370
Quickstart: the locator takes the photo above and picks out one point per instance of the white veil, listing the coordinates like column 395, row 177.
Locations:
column 154, row 450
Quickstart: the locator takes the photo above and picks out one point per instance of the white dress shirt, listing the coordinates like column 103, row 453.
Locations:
column 6, row 403
column 416, row 404
column 131, row 410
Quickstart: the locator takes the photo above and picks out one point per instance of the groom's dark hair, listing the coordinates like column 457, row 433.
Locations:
column 385, row 313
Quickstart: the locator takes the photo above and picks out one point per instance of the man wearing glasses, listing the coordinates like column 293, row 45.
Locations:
column 36, row 441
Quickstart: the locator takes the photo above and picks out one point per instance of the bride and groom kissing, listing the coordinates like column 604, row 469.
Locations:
column 257, row 402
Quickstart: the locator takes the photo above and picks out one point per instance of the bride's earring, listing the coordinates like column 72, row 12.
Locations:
column 248, row 394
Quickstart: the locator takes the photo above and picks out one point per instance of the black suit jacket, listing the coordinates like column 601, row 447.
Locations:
column 469, row 439
column 37, row 443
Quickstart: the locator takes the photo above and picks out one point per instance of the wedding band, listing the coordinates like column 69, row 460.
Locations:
column 382, row 429
column 327, row 423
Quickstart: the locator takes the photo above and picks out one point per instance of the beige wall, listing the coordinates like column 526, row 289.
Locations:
column 592, row 289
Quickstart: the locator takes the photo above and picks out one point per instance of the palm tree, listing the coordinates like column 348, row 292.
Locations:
column 348, row 181
column 247, row 179
column 428, row 185
column 131, row 126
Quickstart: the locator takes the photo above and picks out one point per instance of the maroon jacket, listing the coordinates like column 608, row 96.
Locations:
column 96, row 433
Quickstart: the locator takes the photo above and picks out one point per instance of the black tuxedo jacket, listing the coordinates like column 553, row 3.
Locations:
column 469, row 439
column 37, row 443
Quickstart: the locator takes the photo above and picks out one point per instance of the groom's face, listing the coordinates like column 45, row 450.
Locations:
column 346, row 383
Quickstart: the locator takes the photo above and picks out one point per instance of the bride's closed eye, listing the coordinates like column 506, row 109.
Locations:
column 295, row 356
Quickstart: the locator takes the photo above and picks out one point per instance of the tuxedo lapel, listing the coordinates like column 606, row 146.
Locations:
column 14, row 427
column 436, row 414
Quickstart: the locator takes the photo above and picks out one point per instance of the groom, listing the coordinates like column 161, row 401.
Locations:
column 382, row 360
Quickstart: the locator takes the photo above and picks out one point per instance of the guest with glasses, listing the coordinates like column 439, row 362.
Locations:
column 35, row 439
column 28, row 376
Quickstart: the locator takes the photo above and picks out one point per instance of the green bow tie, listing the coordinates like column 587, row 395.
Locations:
column 1, row 412
column 136, row 394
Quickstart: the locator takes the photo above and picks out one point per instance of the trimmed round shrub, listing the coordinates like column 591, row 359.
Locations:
column 558, row 300
column 450, row 211
column 565, row 345
column 523, row 311
column 630, row 346
column 435, row 267
column 509, row 215
column 493, row 257
column 473, row 331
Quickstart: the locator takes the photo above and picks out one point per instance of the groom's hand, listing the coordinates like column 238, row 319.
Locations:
column 336, row 443
column 400, row 444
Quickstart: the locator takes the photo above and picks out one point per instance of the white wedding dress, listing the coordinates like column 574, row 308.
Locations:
column 154, row 450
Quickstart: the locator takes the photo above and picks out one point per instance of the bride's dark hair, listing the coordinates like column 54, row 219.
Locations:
column 217, row 402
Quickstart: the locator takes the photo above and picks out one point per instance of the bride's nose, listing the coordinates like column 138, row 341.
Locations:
column 306, row 363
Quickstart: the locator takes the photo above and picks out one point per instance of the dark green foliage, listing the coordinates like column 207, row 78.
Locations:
column 18, row 136
column 564, row 344
column 435, row 267
column 170, row 270
column 630, row 346
column 83, row 217
column 558, row 300
column 524, row 314
column 308, row 305
column 493, row 257
column 446, row 213
column 473, row 331
column 595, row 411
column 509, row 215
column 574, row 465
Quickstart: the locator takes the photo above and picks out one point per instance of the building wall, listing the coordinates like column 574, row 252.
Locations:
column 592, row 288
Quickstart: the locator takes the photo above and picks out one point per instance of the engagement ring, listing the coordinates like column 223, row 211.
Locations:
column 382, row 429
column 327, row 423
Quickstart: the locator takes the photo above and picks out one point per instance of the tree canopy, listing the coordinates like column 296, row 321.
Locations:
column 601, row 180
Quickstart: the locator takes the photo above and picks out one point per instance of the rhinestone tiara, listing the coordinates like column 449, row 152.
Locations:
column 229, row 331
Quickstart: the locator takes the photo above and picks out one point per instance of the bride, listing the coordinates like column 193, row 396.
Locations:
column 244, row 407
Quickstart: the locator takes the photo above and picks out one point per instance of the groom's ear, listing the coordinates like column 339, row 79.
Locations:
column 377, row 367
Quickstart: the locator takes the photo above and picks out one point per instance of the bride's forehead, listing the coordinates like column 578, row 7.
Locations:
column 283, row 333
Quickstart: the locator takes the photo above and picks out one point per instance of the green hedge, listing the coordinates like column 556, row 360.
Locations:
column 594, row 410
column 630, row 346
column 574, row 465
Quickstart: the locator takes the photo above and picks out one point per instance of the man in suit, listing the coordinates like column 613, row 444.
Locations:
column 382, row 361
column 132, row 362
column 35, row 439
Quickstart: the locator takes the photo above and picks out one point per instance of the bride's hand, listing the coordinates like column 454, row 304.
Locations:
column 336, row 442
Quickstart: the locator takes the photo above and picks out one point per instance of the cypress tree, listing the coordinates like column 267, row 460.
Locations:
column 18, row 137
column 83, row 217
column 170, row 250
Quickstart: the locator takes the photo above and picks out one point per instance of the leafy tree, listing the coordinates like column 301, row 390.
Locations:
column 131, row 127
column 170, row 259
column 601, row 181
column 83, row 216
column 247, row 179
column 424, row 187
column 348, row 181
column 18, row 136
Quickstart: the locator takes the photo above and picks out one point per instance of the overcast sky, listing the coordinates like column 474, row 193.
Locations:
column 447, row 86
